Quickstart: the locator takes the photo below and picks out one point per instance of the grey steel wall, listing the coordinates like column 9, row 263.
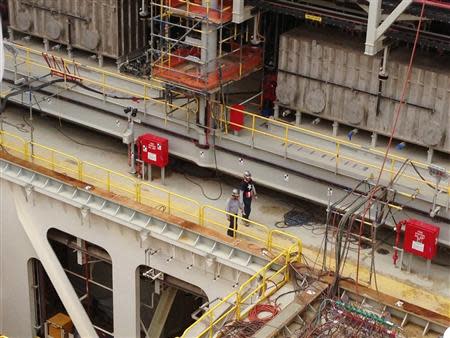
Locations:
column 326, row 77
column 107, row 27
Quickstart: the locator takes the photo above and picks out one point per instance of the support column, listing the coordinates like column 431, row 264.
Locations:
column 55, row 271
column 335, row 128
column 430, row 154
column 298, row 118
column 276, row 111
column 209, row 50
column 374, row 138
column 372, row 23
column 162, row 312
column 202, row 120
column 125, row 297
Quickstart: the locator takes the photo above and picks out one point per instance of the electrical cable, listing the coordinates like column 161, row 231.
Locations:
column 60, row 130
column 394, row 127
column 273, row 309
column 420, row 175
column 404, row 92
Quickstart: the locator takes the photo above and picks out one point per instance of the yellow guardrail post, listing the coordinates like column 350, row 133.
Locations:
column 392, row 168
column 253, row 130
column 211, row 325
column 169, row 203
column 238, row 305
column 25, row 151
column 264, row 283
column 108, row 180
column 138, row 189
column 338, row 147
column 53, row 160
column 269, row 241
column 80, row 170
column 145, row 99
column 286, row 141
column 104, row 86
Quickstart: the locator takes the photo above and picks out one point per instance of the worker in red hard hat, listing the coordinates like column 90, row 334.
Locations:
column 247, row 192
column 232, row 209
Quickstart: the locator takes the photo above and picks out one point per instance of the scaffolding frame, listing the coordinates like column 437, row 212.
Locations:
column 189, row 62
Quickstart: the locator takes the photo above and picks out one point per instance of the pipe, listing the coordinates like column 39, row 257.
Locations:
column 434, row 3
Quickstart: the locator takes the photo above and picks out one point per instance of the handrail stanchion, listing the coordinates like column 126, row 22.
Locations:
column 392, row 168
column 108, row 181
column 53, row 160
column 211, row 324
column 253, row 130
column 169, row 203
column 238, row 305
column 338, row 147
column 138, row 192
column 80, row 170
column 286, row 131
column 26, row 153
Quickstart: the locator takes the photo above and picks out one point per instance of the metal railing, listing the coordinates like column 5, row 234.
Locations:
column 146, row 193
column 289, row 134
column 239, row 303
column 283, row 132
column 100, row 79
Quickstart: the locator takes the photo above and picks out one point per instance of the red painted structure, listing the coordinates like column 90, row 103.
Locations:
column 236, row 117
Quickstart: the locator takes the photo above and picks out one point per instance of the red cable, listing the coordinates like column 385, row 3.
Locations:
column 394, row 127
column 404, row 91
column 261, row 308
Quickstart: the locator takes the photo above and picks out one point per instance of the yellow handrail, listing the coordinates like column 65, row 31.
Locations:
column 142, row 192
column 339, row 144
column 337, row 154
column 101, row 82
column 110, row 180
column 245, row 292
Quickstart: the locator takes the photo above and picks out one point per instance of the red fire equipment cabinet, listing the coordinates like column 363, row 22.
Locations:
column 421, row 239
column 153, row 150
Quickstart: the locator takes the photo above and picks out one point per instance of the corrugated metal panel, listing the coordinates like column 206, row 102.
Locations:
column 107, row 27
column 339, row 83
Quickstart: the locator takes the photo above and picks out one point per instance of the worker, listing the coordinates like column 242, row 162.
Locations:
column 247, row 192
column 232, row 209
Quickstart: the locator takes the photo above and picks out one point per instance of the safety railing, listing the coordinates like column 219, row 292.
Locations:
column 102, row 81
column 252, row 292
column 143, row 192
column 288, row 135
column 196, row 9
column 274, row 240
column 170, row 202
column 101, row 177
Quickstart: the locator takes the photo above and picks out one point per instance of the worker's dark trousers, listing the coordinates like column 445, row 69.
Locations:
column 233, row 226
column 247, row 207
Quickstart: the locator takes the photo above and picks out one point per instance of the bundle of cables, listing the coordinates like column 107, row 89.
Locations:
column 295, row 217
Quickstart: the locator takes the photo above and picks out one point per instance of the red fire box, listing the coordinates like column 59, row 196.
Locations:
column 420, row 238
column 153, row 150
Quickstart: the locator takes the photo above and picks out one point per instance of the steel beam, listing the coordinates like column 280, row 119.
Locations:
column 375, row 30
column 56, row 273
column 159, row 319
